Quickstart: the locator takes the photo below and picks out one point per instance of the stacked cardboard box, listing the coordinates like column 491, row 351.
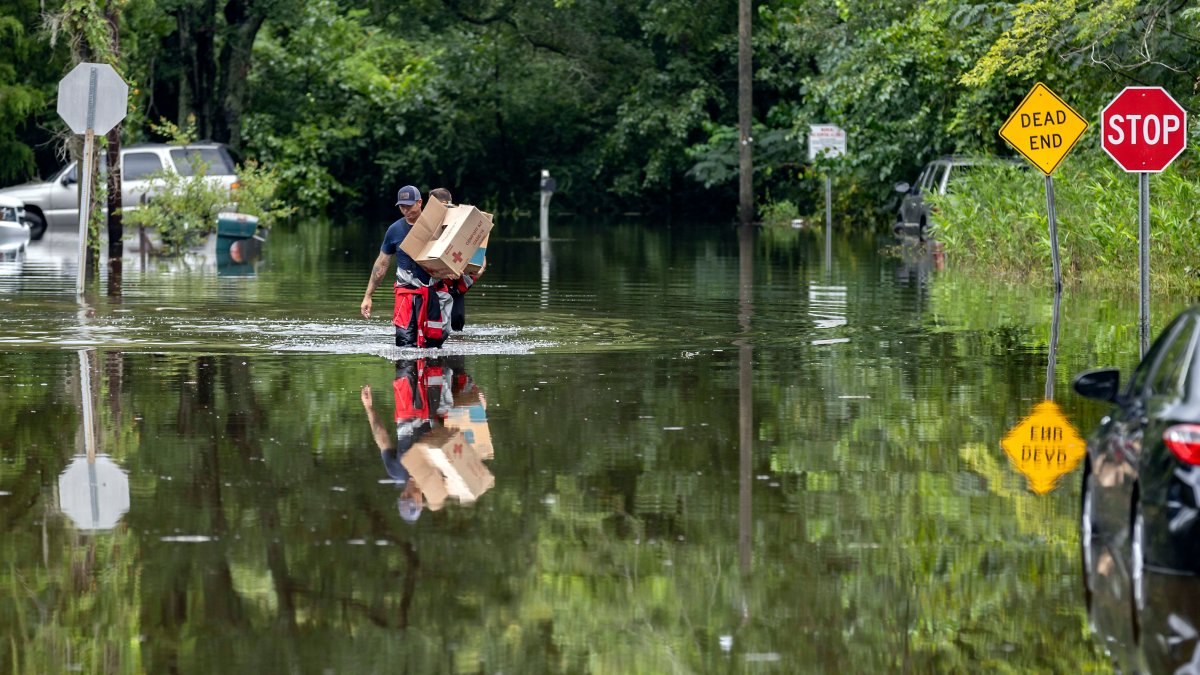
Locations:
column 444, row 465
column 446, row 240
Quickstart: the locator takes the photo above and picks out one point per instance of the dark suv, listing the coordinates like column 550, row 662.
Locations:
column 914, row 217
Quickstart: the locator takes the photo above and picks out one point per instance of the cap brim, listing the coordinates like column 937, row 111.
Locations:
column 406, row 202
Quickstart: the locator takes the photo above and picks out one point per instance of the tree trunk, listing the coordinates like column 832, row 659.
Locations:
column 197, row 38
column 234, row 69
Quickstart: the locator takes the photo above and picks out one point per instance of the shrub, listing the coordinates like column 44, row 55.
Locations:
column 995, row 220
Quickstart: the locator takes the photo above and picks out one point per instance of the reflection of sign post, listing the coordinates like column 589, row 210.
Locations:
column 94, row 493
column 1144, row 130
column 826, row 140
column 1044, row 128
column 92, row 99
column 1044, row 446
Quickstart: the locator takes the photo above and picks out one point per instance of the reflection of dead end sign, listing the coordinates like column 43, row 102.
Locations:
column 1044, row 446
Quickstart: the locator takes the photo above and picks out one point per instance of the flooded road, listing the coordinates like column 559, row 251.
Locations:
column 668, row 450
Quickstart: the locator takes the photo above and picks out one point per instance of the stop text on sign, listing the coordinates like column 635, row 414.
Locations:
column 1144, row 129
column 1149, row 129
column 1043, row 128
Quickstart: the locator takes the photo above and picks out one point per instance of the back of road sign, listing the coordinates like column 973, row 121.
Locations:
column 92, row 84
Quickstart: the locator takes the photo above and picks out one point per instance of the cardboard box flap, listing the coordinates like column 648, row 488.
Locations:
column 464, row 229
column 425, row 230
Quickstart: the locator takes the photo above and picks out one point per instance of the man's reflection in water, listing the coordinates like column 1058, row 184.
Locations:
column 424, row 391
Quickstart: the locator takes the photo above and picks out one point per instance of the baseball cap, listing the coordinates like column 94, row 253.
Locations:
column 410, row 508
column 408, row 195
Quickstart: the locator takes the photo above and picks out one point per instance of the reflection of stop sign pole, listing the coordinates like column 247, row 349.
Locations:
column 1143, row 129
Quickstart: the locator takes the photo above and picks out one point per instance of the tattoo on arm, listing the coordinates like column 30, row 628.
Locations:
column 379, row 271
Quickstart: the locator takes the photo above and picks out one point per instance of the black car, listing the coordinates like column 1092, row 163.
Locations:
column 1142, row 471
column 914, row 216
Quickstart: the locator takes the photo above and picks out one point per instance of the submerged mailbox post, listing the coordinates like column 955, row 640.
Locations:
column 1143, row 129
column 546, row 188
column 92, row 99
column 1043, row 128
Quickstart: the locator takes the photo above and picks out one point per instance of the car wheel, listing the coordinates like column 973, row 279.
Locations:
column 37, row 225
column 1137, row 559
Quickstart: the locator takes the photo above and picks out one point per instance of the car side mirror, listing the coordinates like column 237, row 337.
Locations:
column 1102, row 385
column 68, row 179
column 902, row 187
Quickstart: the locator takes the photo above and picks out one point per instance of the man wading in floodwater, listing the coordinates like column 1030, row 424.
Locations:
column 419, row 322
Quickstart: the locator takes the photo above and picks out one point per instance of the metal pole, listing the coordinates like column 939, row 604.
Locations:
column 1052, row 362
column 85, row 205
column 85, row 180
column 547, row 191
column 546, row 257
column 85, row 387
column 544, row 217
column 828, row 221
column 1144, row 258
column 1053, row 219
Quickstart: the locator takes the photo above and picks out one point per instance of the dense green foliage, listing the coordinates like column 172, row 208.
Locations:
column 995, row 220
column 185, row 207
column 626, row 100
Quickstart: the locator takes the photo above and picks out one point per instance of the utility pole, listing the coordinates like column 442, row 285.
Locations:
column 745, row 110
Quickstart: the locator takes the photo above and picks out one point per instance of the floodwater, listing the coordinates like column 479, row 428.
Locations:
column 681, row 449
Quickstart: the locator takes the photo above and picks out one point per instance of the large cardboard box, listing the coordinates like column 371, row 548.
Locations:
column 444, row 464
column 444, row 239
column 423, row 470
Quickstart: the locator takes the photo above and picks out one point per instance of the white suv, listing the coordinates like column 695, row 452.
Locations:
column 55, row 203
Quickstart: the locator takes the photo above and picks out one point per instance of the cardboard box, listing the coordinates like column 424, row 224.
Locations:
column 424, row 472
column 444, row 239
column 471, row 469
column 472, row 422
column 444, row 464
column 475, row 264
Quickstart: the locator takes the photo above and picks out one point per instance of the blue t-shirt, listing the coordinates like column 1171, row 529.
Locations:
column 407, row 269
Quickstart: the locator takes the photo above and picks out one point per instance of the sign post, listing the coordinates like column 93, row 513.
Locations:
column 1144, row 130
column 827, row 140
column 1043, row 128
column 92, row 99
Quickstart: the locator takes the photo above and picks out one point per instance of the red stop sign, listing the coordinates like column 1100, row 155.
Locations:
column 1143, row 129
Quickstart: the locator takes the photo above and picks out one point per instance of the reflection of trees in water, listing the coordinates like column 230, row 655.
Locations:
column 894, row 538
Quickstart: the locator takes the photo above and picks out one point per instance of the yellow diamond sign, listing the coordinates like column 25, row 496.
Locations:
column 1043, row 128
column 1044, row 446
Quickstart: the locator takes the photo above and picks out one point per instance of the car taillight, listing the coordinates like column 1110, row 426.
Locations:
column 1184, row 442
column 235, row 185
